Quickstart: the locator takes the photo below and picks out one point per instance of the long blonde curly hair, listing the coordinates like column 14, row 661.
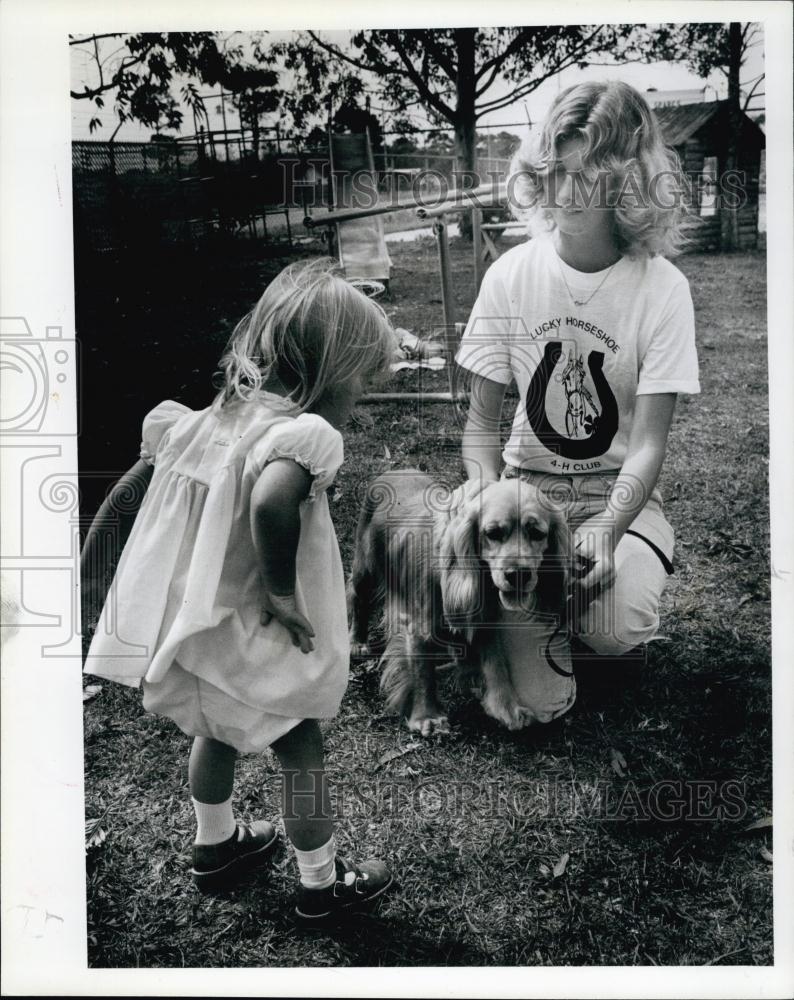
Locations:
column 623, row 146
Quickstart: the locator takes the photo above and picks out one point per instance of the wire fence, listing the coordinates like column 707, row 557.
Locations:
column 139, row 195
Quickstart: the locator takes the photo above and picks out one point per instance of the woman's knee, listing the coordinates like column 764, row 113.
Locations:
column 627, row 614
column 619, row 630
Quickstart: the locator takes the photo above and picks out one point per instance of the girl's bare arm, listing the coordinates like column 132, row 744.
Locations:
column 112, row 525
column 275, row 528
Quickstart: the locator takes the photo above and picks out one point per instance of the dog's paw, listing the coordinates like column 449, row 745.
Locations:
column 437, row 725
column 527, row 716
column 505, row 709
column 477, row 689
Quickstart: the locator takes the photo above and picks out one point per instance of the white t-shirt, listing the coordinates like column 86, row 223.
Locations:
column 579, row 368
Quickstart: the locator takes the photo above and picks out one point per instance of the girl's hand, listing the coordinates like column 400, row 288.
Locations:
column 594, row 551
column 283, row 608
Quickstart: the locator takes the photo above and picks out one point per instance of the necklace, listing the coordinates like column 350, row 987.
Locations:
column 583, row 302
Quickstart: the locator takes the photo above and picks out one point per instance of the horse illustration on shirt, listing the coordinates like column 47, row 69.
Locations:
column 581, row 415
column 599, row 428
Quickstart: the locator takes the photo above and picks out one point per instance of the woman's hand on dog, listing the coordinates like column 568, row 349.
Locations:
column 594, row 553
column 283, row 608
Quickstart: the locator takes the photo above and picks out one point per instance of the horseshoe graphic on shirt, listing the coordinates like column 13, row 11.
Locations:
column 604, row 427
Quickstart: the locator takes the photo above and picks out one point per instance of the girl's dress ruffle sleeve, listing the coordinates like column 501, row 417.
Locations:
column 308, row 440
column 156, row 424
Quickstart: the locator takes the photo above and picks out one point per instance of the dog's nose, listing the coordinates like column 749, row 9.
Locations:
column 519, row 578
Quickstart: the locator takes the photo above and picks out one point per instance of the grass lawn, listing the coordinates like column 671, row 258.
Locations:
column 477, row 825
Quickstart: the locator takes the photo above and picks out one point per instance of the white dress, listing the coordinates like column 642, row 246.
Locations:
column 182, row 616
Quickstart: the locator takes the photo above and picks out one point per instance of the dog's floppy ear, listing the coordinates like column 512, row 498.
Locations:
column 460, row 567
column 552, row 588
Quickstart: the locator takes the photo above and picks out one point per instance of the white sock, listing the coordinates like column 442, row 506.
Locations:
column 215, row 820
column 317, row 868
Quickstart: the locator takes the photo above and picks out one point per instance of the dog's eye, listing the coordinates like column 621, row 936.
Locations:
column 494, row 532
column 534, row 533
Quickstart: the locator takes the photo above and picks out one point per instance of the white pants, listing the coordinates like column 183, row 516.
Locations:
column 626, row 614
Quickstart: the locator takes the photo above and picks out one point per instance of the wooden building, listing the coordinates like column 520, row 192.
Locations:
column 699, row 134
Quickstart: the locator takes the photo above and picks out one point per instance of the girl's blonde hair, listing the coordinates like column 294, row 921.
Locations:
column 644, row 186
column 311, row 331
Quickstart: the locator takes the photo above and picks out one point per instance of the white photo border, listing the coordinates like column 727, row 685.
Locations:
column 43, row 883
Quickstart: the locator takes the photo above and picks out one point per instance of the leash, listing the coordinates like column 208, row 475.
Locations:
column 564, row 629
column 564, row 632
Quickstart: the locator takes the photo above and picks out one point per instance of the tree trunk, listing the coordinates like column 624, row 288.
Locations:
column 730, row 214
column 465, row 117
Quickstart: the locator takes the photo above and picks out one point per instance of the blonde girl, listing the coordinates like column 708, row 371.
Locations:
column 595, row 327
column 228, row 605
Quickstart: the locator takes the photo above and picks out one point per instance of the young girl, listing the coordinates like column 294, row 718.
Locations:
column 228, row 605
column 596, row 328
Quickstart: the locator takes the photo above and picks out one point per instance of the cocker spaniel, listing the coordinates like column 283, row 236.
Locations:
column 480, row 571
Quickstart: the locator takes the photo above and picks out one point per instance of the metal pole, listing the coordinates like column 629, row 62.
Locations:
column 315, row 221
column 348, row 215
column 447, row 304
column 476, row 238
column 440, row 229
column 223, row 110
column 484, row 196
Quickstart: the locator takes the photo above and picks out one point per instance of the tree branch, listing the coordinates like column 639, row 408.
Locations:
column 622, row 62
column 495, row 65
column 516, row 95
column 103, row 88
column 498, row 61
column 111, row 55
column 754, row 88
column 433, row 99
column 442, row 57
column 339, row 54
column 94, row 38
column 526, row 88
column 384, row 69
column 99, row 63
column 488, row 83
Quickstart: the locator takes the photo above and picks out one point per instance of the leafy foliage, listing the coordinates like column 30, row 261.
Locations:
column 351, row 118
column 413, row 67
column 140, row 72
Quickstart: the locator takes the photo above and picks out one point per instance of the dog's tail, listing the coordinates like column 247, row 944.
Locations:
column 395, row 680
